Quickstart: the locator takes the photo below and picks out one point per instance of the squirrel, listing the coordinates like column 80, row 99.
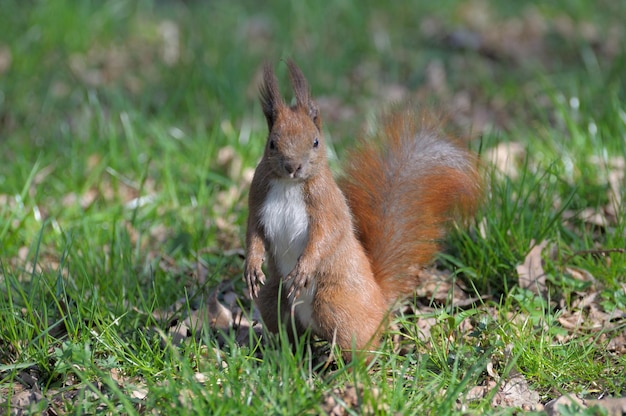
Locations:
column 338, row 256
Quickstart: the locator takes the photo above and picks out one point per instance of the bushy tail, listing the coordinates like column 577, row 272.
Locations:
column 405, row 185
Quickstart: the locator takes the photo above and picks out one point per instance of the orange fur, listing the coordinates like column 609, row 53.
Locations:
column 404, row 188
column 364, row 241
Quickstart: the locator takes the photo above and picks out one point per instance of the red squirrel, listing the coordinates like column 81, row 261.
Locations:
column 338, row 256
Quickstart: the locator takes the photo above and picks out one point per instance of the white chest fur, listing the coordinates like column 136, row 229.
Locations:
column 286, row 225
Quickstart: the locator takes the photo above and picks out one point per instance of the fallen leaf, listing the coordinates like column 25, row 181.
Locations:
column 230, row 162
column 348, row 399
column 617, row 344
column 200, row 378
column 178, row 333
column 219, row 316
column 25, row 400
column 139, row 392
column 516, row 392
column 594, row 216
column 613, row 406
column 506, row 157
column 571, row 321
column 568, row 403
column 425, row 324
column 439, row 287
column 117, row 376
column 479, row 392
column 553, row 407
column 582, row 275
column 531, row 274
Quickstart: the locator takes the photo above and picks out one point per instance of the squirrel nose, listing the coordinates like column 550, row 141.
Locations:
column 293, row 168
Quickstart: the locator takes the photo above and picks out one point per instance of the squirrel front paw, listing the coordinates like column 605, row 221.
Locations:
column 254, row 277
column 296, row 282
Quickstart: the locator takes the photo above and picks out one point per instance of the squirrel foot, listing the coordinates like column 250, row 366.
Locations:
column 254, row 279
column 297, row 281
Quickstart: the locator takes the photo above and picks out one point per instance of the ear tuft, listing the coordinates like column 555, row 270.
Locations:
column 271, row 101
column 302, row 93
column 299, row 84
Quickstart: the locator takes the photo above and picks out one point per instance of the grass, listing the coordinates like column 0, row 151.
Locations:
column 129, row 131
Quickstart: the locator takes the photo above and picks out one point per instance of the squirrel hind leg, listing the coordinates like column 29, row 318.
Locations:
column 270, row 305
column 275, row 310
column 351, row 323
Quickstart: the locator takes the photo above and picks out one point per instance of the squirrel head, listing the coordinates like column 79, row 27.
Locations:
column 295, row 144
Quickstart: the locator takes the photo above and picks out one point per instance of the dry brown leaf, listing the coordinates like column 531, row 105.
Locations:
column 244, row 328
column 531, row 274
column 230, row 162
column 586, row 314
column 601, row 319
column 617, row 344
column 218, row 315
column 506, row 157
column 571, row 321
column 25, row 400
column 613, row 406
column 178, row 334
column 479, row 392
column 594, row 217
column 117, row 376
column 184, row 319
column 552, row 407
column 439, row 287
column 41, row 176
column 582, row 275
column 139, row 392
column 516, row 392
column 345, row 400
column 200, row 378
column 425, row 324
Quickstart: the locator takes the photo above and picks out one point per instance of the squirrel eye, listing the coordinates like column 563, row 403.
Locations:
column 316, row 142
column 272, row 145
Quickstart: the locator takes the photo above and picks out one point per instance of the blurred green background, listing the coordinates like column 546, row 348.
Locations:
column 129, row 131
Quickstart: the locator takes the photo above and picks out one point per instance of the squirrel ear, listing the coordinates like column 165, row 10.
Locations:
column 301, row 90
column 271, row 100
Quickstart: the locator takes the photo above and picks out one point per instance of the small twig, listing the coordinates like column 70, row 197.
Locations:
column 331, row 354
column 594, row 252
